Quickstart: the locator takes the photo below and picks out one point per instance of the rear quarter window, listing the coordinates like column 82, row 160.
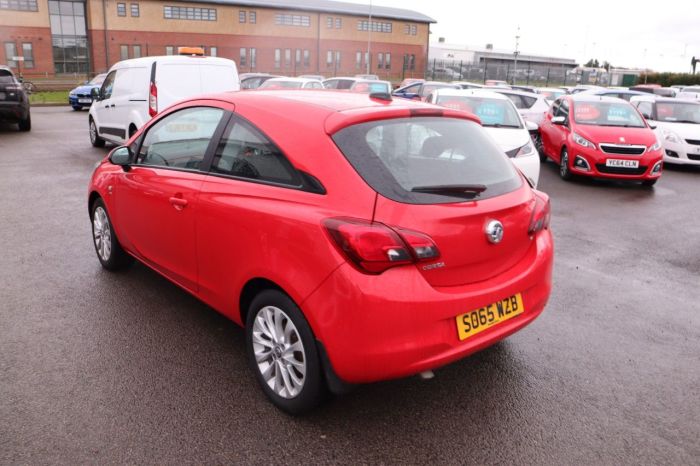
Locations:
column 399, row 155
column 6, row 77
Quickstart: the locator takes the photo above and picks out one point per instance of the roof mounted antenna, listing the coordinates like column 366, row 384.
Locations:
column 383, row 96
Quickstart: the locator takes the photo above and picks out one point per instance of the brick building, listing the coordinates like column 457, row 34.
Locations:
column 289, row 37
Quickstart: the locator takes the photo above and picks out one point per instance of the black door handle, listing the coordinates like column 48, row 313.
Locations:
column 112, row 105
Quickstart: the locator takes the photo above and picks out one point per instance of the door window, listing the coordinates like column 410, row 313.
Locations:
column 180, row 140
column 245, row 152
column 108, row 85
column 645, row 108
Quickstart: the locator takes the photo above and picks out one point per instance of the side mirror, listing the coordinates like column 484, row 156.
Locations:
column 95, row 93
column 652, row 125
column 121, row 156
column 559, row 120
column 532, row 127
column 86, row 82
column 646, row 116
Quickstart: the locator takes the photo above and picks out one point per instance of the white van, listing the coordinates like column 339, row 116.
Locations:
column 136, row 90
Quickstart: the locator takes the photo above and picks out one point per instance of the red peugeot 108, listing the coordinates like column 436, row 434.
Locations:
column 357, row 239
column 601, row 137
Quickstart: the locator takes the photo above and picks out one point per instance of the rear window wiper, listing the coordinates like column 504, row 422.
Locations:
column 469, row 191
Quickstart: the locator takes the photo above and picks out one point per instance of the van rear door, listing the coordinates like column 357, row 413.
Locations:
column 181, row 80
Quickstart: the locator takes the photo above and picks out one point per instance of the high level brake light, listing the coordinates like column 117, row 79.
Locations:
column 374, row 247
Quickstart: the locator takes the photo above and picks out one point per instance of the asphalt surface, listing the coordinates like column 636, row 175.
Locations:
column 97, row 367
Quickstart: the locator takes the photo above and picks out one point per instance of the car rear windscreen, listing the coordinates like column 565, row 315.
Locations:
column 409, row 160
column 6, row 77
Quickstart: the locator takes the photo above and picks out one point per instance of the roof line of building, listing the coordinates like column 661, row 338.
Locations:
column 329, row 6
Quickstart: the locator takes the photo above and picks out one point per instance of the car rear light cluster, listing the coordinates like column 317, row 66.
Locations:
column 541, row 214
column 374, row 247
column 153, row 100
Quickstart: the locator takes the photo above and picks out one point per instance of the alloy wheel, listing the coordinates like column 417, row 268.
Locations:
column 102, row 234
column 279, row 352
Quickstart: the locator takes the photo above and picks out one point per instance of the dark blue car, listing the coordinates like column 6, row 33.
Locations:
column 81, row 96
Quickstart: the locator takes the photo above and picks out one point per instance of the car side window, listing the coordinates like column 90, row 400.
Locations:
column 345, row 83
column 108, row 85
column 528, row 102
column 516, row 100
column 412, row 89
column 331, row 84
column 180, row 139
column 555, row 107
column 645, row 108
column 564, row 110
column 245, row 152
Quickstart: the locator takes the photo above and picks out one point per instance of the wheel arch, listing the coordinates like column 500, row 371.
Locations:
column 251, row 289
column 94, row 195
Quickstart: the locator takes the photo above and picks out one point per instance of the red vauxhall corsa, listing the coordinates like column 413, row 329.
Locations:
column 601, row 137
column 357, row 239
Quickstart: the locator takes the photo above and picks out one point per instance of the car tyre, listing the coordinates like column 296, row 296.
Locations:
column 95, row 139
column 26, row 124
column 77, row 108
column 109, row 251
column 282, row 353
column 564, row 170
column 649, row 183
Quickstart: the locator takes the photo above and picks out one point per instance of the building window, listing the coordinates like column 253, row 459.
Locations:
column 213, row 51
column 297, row 58
column 241, row 16
column 253, row 57
column 387, row 61
column 136, row 51
column 292, row 20
column 410, row 29
column 196, row 14
column 242, row 61
column 412, row 62
column 358, row 60
column 278, row 57
column 20, row 5
column 124, row 52
column 329, row 58
column 329, row 22
column 337, row 58
column 307, row 58
column 376, row 26
column 252, row 17
column 338, row 23
column 287, row 58
column 368, row 62
column 135, row 10
column 10, row 53
column 380, row 60
column 28, row 54
column 121, row 9
column 169, row 50
column 69, row 36
column 414, row 29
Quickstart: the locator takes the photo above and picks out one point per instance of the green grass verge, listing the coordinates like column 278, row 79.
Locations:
column 49, row 97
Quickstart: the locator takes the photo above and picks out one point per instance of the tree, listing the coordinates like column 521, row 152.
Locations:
column 606, row 65
column 592, row 63
column 693, row 62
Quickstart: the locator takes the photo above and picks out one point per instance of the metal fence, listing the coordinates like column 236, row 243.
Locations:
column 525, row 74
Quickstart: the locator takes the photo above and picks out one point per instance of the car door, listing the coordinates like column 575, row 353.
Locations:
column 156, row 198
column 560, row 133
column 104, row 118
column 547, row 129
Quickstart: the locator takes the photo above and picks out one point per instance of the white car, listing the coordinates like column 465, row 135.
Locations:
column 343, row 83
column 135, row 90
column 291, row 83
column 677, row 125
column 690, row 93
column 502, row 122
column 531, row 106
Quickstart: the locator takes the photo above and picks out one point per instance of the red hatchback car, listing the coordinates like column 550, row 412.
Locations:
column 600, row 137
column 356, row 239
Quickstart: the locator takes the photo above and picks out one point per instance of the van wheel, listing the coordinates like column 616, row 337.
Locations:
column 282, row 353
column 95, row 139
column 26, row 124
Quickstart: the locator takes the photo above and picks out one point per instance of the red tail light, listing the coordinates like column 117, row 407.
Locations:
column 153, row 100
column 541, row 215
column 375, row 247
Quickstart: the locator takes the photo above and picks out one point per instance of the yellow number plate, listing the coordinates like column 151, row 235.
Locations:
column 473, row 322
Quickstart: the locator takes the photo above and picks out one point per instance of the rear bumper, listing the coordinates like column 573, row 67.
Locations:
column 395, row 324
column 73, row 101
column 13, row 111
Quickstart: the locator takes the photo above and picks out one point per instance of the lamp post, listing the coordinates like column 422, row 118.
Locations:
column 369, row 36
column 515, row 54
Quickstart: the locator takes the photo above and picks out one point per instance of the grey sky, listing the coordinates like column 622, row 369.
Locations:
column 659, row 35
